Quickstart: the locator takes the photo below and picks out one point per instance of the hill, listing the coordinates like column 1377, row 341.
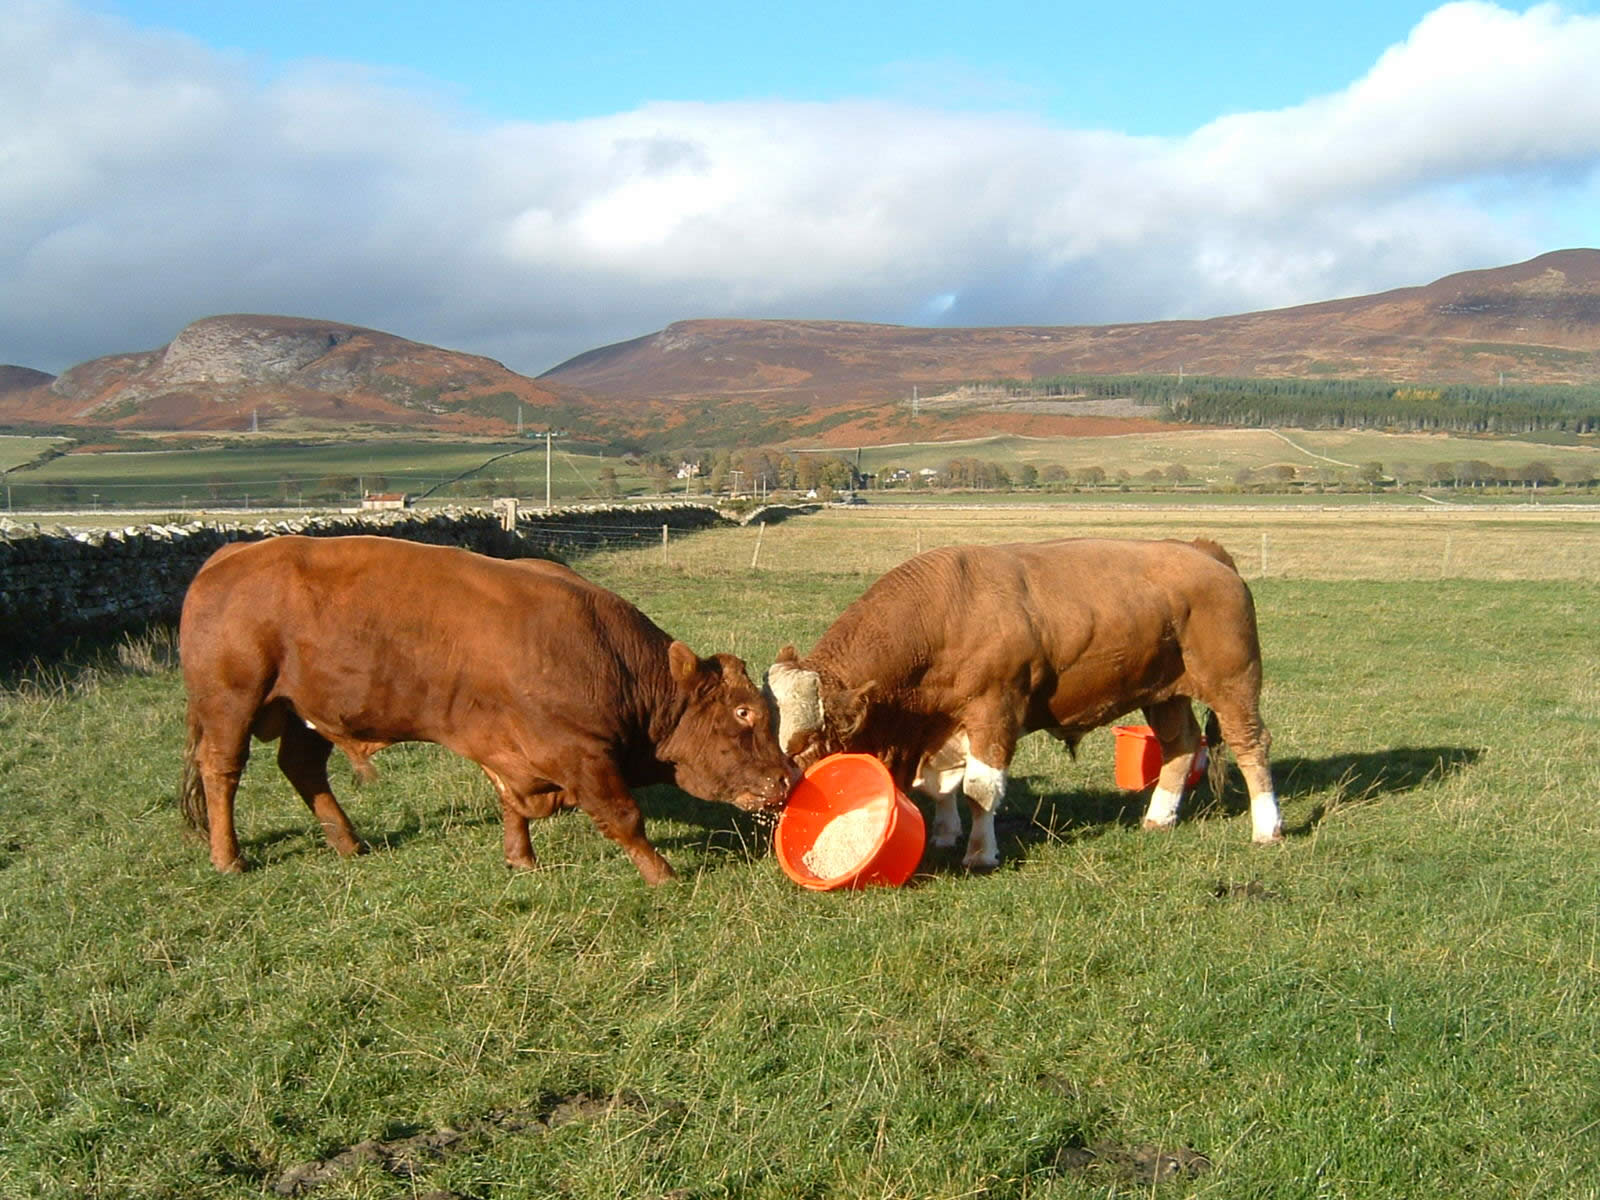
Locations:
column 232, row 372
column 1536, row 322
column 828, row 381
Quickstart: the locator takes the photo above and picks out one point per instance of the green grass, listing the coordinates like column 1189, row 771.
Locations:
column 1402, row 1000
column 14, row 450
column 272, row 470
column 1216, row 456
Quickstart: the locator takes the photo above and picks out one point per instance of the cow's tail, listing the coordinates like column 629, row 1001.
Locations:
column 1216, row 761
column 1215, row 550
column 191, row 789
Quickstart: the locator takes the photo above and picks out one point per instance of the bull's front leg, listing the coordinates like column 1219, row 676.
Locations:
column 988, row 756
column 605, row 796
column 940, row 777
column 1175, row 728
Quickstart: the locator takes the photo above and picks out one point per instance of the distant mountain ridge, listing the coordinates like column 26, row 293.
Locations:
column 1534, row 322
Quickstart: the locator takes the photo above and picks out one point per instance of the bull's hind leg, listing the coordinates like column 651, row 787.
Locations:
column 1175, row 728
column 222, row 748
column 303, row 758
column 1247, row 737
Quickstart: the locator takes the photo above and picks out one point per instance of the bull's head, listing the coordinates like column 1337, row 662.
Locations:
column 723, row 746
column 815, row 715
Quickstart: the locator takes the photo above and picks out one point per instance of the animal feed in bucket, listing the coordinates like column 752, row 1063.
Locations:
column 846, row 841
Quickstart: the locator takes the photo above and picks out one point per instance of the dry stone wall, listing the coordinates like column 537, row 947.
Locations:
column 58, row 583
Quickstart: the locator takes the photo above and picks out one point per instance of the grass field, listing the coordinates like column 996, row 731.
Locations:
column 1216, row 456
column 1401, row 1000
column 275, row 470
column 264, row 471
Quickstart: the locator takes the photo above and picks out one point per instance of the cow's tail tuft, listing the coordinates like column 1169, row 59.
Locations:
column 191, row 789
column 1217, row 762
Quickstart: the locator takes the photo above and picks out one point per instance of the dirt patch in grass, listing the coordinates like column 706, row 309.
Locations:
column 1141, row 1165
column 1254, row 890
column 409, row 1158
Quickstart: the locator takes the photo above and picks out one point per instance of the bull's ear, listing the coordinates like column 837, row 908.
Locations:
column 787, row 655
column 685, row 663
column 857, row 703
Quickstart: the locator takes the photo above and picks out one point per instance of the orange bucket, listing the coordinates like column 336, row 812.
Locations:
column 855, row 826
column 1138, row 762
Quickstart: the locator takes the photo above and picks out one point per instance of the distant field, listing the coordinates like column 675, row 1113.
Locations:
column 14, row 451
column 1374, row 542
column 278, row 471
column 1216, row 456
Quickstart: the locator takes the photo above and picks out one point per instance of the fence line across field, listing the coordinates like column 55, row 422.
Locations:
column 1421, row 544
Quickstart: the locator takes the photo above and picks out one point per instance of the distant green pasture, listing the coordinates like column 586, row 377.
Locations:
column 14, row 451
column 1216, row 456
column 272, row 472
column 269, row 472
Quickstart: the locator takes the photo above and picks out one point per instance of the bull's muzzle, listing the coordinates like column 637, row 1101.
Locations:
column 773, row 792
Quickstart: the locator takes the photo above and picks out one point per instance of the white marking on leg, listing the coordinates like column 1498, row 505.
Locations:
column 983, row 853
column 946, row 785
column 1162, row 812
column 1265, row 820
column 986, row 790
column 985, row 785
column 940, row 775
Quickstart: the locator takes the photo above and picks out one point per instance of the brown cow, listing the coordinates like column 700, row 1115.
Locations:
column 942, row 664
column 564, row 693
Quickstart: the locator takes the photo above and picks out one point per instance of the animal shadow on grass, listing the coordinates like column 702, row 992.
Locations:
column 731, row 835
column 1031, row 816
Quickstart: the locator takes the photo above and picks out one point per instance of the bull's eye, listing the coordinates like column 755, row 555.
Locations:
column 744, row 714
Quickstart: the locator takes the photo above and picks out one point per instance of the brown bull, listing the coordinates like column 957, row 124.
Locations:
column 564, row 693
column 948, row 659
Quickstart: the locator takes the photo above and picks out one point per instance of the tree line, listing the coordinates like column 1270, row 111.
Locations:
column 1338, row 403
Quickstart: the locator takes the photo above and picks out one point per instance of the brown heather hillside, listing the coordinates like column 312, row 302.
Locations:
column 816, row 381
column 1537, row 322
column 223, row 373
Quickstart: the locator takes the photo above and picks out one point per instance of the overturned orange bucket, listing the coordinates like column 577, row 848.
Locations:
column 1138, row 758
column 847, row 826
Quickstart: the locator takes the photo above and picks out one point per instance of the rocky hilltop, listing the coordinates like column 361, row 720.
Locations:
column 228, row 372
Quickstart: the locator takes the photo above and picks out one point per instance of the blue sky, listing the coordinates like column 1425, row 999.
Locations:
column 530, row 181
column 1141, row 68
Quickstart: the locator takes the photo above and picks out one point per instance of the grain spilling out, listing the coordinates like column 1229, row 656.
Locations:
column 846, row 841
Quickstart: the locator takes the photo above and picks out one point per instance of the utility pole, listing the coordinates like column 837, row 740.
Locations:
column 547, row 470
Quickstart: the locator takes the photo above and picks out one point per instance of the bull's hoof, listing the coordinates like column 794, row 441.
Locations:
column 531, row 864
column 236, row 866
column 1150, row 826
column 1275, row 838
column 982, row 864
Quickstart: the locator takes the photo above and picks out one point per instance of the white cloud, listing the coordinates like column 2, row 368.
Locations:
column 146, row 181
